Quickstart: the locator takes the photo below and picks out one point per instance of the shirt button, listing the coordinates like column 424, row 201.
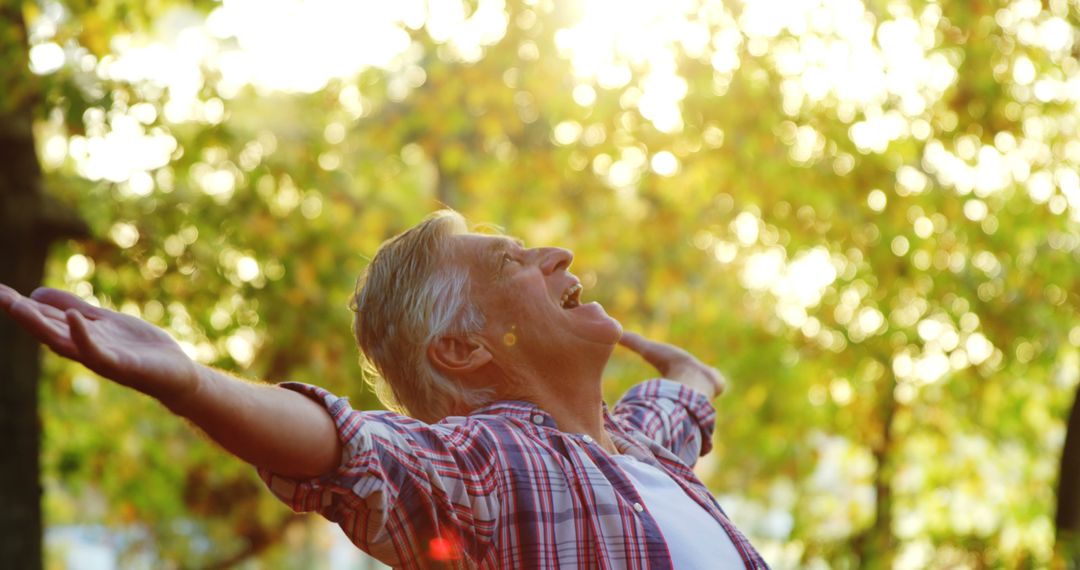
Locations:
column 587, row 439
column 638, row 507
column 538, row 419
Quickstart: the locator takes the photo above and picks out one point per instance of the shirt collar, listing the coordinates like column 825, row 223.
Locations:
column 530, row 413
column 519, row 410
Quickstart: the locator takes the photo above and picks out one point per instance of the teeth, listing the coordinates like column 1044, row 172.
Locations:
column 569, row 298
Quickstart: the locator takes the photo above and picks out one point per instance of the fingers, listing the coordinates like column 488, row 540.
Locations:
column 46, row 324
column 53, row 333
column 64, row 301
column 48, row 311
column 7, row 296
column 94, row 354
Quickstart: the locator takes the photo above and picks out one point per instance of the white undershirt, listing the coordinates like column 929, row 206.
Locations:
column 694, row 538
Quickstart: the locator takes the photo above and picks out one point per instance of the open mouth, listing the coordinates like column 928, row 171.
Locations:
column 571, row 298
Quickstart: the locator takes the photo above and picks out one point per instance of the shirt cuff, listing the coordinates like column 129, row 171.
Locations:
column 313, row 494
column 697, row 405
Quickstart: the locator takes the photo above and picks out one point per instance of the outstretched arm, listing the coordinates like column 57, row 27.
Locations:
column 269, row 427
column 676, row 364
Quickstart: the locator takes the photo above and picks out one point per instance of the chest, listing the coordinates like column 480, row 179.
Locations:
column 564, row 502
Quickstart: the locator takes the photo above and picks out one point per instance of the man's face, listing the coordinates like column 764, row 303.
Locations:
column 530, row 302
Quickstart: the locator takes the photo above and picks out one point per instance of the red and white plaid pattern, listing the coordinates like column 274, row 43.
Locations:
column 503, row 488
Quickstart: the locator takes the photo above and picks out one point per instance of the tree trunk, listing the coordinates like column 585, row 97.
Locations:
column 1068, row 504
column 28, row 223
column 22, row 260
column 875, row 546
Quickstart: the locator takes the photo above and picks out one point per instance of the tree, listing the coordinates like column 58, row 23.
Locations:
column 1068, row 498
column 31, row 220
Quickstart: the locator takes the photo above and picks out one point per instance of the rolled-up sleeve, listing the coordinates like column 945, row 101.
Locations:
column 401, row 483
column 678, row 418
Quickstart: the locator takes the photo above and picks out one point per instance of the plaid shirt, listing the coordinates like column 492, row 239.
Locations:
column 504, row 488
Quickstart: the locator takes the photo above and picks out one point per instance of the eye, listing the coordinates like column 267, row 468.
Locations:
column 507, row 258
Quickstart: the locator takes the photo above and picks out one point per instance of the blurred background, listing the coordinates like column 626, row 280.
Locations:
column 865, row 213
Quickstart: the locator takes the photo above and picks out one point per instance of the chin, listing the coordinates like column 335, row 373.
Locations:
column 608, row 332
column 590, row 323
column 617, row 331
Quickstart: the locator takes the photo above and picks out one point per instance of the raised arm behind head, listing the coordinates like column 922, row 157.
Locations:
column 677, row 364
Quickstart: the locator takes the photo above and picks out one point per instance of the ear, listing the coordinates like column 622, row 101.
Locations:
column 457, row 355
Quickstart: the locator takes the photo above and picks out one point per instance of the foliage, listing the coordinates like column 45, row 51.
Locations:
column 885, row 266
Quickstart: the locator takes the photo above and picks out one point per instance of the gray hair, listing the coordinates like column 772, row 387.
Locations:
column 412, row 293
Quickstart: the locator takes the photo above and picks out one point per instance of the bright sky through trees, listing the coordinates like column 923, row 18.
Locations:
column 832, row 56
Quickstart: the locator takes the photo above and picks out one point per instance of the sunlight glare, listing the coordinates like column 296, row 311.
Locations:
column 614, row 37
column 247, row 268
column 46, row 58
column 126, row 151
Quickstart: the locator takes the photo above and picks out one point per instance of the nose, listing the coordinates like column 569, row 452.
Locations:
column 554, row 259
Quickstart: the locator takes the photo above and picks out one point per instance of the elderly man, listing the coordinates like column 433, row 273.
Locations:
column 507, row 457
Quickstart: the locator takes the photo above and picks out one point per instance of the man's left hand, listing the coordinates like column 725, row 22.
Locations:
column 676, row 364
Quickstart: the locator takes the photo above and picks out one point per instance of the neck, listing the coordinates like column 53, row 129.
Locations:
column 571, row 391
column 582, row 413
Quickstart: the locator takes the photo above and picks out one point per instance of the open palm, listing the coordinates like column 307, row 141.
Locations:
column 122, row 348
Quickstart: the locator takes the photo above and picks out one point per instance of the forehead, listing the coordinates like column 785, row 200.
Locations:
column 479, row 244
column 479, row 250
